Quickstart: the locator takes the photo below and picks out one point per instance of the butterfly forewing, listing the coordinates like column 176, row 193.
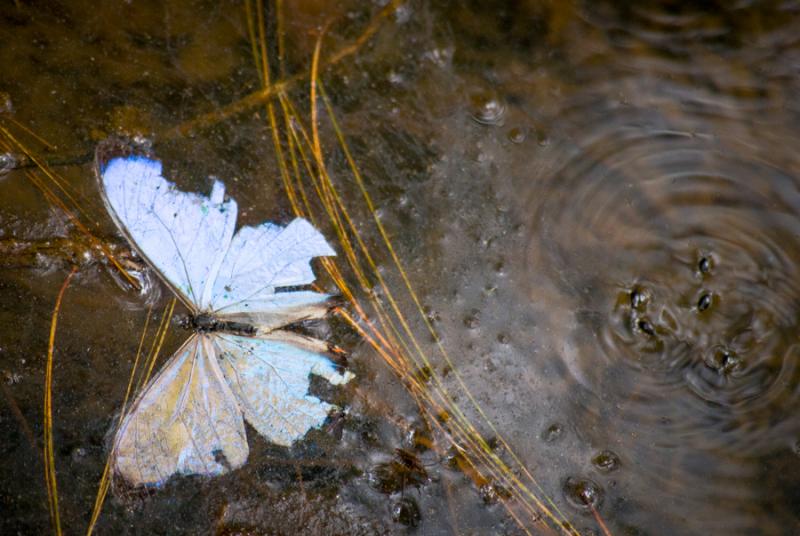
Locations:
column 187, row 421
column 182, row 235
column 270, row 378
column 262, row 258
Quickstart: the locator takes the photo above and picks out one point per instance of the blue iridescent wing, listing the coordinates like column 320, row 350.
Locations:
column 182, row 235
column 258, row 262
column 270, row 377
column 187, row 420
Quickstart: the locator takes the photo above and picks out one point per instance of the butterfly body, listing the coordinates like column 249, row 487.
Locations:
column 208, row 323
column 238, row 364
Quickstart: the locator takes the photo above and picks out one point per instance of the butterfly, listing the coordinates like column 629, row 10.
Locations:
column 240, row 289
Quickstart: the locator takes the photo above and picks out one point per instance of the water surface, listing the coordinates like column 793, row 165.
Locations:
column 597, row 202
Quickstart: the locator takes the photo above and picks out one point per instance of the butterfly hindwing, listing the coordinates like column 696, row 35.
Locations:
column 270, row 377
column 280, row 309
column 182, row 235
column 186, row 421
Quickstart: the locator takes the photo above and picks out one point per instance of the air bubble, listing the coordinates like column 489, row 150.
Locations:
column 487, row 109
column 541, row 138
column 553, row 432
column 583, row 493
column 517, row 135
column 704, row 265
column 606, row 461
column 639, row 298
column 722, row 360
column 646, row 327
column 704, row 302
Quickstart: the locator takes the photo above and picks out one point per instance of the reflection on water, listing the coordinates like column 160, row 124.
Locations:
column 599, row 202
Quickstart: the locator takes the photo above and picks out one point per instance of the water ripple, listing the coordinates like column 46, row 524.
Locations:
column 669, row 217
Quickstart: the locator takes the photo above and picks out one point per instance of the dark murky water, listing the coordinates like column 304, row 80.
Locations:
column 598, row 202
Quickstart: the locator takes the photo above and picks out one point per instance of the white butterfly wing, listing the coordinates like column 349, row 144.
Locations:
column 181, row 234
column 261, row 259
column 186, row 421
column 270, row 378
column 280, row 309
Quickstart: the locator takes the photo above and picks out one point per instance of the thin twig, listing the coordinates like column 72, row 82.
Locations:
column 50, row 463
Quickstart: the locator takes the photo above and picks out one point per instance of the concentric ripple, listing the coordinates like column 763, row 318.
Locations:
column 691, row 245
column 669, row 218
